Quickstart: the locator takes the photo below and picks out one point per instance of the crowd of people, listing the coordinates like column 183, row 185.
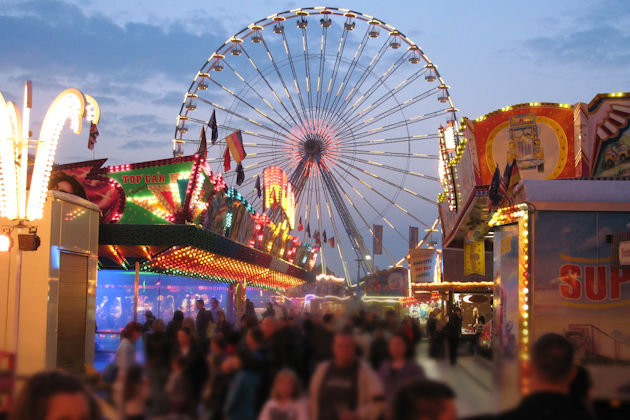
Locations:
column 287, row 366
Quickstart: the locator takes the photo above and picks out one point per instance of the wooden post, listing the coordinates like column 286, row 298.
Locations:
column 135, row 292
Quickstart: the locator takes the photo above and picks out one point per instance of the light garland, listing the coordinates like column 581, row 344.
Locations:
column 507, row 215
column 523, row 296
column 191, row 262
column 519, row 213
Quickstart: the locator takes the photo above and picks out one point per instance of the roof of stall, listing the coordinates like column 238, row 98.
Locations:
column 587, row 194
column 190, row 251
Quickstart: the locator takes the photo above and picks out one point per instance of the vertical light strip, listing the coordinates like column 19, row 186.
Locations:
column 523, row 299
column 8, row 190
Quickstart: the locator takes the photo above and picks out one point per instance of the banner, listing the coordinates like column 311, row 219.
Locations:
column 580, row 294
column 475, row 258
column 377, row 244
column 413, row 237
column 423, row 265
column 393, row 282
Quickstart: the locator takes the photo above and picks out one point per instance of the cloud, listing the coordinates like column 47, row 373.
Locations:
column 170, row 99
column 68, row 42
column 602, row 45
column 142, row 144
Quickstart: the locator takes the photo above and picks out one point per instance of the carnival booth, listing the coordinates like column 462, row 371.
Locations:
column 558, row 270
column 542, row 186
column 172, row 232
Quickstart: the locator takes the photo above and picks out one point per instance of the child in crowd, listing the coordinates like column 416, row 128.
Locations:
column 131, row 394
column 285, row 402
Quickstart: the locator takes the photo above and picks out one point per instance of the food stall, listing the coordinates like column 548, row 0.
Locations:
column 542, row 186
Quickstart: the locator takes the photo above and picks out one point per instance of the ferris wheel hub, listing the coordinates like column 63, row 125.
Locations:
column 314, row 146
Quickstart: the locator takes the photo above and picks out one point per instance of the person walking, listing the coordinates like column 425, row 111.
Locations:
column 203, row 322
column 345, row 387
column 157, row 351
column 453, row 334
column 400, row 369
column 126, row 352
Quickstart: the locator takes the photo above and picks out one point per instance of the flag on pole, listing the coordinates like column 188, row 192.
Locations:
column 258, row 188
column 226, row 160
column 203, row 145
column 515, row 175
column 332, row 241
column 308, row 229
column 300, row 226
column 213, row 126
column 325, row 237
column 317, row 238
column 235, row 145
column 240, row 174
column 377, row 244
column 413, row 237
column 493, row 193
column 93, row 135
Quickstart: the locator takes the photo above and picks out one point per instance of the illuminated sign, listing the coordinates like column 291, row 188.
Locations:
column 279, row 192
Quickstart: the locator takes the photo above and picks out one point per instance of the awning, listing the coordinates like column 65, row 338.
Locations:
column 458, row 287
column 189, row 251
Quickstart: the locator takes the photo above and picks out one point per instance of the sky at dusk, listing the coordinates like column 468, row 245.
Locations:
column 138, row 58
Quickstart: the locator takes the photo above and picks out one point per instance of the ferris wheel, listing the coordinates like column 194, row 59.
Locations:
column 348, row 106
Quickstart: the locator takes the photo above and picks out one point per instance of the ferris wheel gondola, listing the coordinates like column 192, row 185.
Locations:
column 347, row 105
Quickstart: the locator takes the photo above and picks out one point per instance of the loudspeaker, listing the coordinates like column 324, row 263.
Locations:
column 28, row 241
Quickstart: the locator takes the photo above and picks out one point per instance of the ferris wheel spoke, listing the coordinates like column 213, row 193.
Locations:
column 373, row 88
column 391, row 140
column 355, row 60
column 320, row 75
column 355, row 125
column 357, row 87
column 396, row 154
column 412, row 120
column 391, row 184
column 307, row 64
column 256, row 134
column 255, row 91
column 284, row 85
column 319, row 226
column 388, row 94
column 252, row 107
column 333, row 75
column 251, row 61
column 367, row 225
column 242, row 117
column 249, row 155
column 348, row 223
column 345, row 160
column 398, row 206
column 369, row 204
column 338, row 235
column 295, row 78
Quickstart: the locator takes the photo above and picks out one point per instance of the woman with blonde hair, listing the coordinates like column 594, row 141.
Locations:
column 286, row 400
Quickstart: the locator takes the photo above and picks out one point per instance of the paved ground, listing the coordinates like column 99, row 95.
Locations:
column 471, row 378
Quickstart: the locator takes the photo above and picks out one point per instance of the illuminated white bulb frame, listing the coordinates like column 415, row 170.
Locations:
column 71, row 105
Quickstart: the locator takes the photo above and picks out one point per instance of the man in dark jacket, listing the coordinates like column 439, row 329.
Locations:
column 202, row 322
column 453, row 333
column 552, row 373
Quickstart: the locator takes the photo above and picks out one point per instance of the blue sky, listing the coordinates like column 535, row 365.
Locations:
column 138, row 58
